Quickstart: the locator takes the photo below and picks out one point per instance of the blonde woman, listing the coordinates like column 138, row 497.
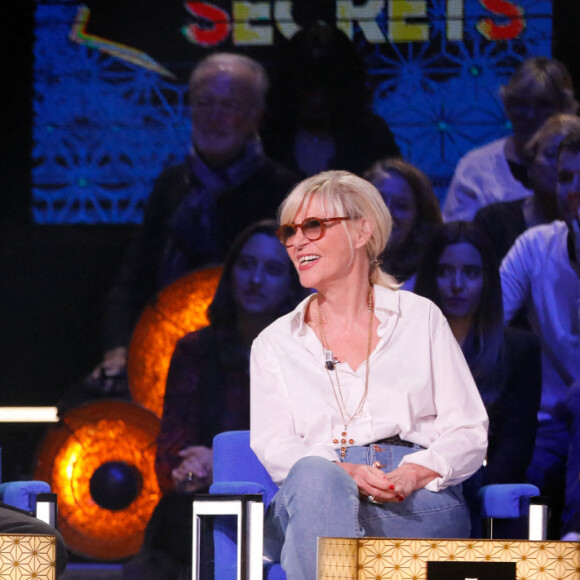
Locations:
column 363, row 409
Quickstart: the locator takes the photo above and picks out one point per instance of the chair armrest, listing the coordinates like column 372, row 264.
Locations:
column 506, row 500
column 236, row 487
column 22, row 494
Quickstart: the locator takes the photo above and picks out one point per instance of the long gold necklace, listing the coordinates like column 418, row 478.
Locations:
column 347, row 418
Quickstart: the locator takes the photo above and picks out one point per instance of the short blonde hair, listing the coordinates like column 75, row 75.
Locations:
column 341, row 193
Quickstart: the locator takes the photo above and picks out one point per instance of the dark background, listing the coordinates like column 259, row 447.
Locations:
column 53, row 278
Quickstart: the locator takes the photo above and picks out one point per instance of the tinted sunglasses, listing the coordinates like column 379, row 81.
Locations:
column 313, row 229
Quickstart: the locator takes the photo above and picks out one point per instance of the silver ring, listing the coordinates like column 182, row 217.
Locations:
column 371, row 499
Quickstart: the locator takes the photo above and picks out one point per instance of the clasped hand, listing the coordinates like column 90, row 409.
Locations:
column 195, row 470
column 113, row 364
column 394, row 486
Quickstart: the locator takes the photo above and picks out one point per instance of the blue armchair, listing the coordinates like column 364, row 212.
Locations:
column 21, row 494
column 238, row 471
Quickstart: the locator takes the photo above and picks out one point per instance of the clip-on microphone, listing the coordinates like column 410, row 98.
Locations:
column 329, row 360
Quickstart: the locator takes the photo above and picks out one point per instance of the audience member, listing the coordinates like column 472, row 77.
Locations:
column 542, row 273
column 460, row 275
column 198, row 207
column 503, row 222
column 319, row 117
column 539, row 88
column 414, row 208
column 15, row 521
column 363, row 409
column 208, row 391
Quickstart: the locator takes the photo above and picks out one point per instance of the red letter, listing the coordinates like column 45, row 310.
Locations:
column 207, row 35
column 492, row 31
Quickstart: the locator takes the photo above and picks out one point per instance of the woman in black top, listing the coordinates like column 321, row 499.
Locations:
column 414, row 207
column 459, row 274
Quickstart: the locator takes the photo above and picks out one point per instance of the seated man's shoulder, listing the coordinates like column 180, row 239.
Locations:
column 484, row 153
column 170, row 186
column 273, row 172
column 544, row 235
column 538, row 249
column 265, row 189
column 172, row 174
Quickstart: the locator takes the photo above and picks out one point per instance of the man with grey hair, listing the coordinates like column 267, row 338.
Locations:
column 227, row 93
column 198, row 207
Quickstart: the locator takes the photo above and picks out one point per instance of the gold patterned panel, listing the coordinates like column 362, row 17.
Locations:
column 402, row 559
column 27, row 557
column 339, row 558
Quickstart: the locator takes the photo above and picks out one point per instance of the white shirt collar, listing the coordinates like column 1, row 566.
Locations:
column 386, row 302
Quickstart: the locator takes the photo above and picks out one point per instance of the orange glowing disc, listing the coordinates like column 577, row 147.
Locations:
column 87, row 439
column 179, row 309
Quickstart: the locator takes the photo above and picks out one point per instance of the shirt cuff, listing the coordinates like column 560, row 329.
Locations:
column 324, row 451
column 434, row 462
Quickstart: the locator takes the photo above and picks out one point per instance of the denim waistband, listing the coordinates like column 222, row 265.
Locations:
column 394, row 440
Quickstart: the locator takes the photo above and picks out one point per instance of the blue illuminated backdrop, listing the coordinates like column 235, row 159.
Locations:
column 106, row 123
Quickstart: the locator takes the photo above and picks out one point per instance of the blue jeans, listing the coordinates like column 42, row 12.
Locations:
column 319, row 499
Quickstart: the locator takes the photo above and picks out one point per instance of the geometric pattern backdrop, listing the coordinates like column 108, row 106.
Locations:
column 390, row 559
column 108, row 116
column 23, row 557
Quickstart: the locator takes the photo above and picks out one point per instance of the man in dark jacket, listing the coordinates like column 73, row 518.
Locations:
column 198, row 207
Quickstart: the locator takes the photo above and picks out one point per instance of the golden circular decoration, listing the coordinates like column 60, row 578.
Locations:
column 82, row 442
column 179, row 308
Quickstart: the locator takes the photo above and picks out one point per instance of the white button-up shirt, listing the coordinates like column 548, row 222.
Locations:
column 420, row 388
column 482, row 177
column 536, row 273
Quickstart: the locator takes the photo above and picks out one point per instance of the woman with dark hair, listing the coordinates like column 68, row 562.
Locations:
column 208, row 390
column 207, row 384
column 459, row 273
column 228, row 308
column 318, row 115
column 414, row 207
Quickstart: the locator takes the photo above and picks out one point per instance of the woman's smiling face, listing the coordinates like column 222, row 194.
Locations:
column 325, row 260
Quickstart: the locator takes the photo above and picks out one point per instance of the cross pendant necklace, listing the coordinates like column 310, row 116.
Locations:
column 332, row 370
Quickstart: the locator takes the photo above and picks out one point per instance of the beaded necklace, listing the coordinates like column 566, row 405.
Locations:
column 347, row 417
